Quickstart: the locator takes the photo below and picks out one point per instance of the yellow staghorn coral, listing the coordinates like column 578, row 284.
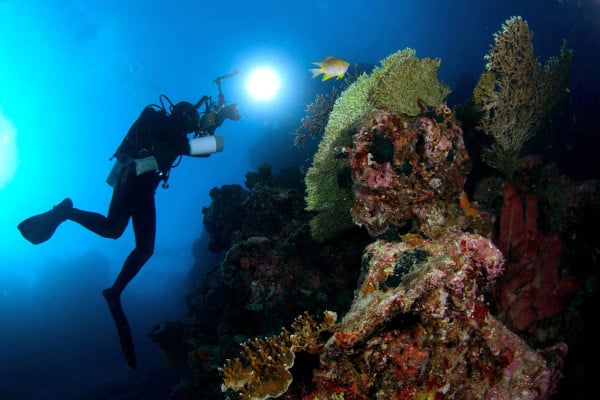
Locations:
column 516, row 93
column 262, row 371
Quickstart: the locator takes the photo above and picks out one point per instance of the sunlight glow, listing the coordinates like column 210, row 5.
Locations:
column 8, row 150
column 262, row 84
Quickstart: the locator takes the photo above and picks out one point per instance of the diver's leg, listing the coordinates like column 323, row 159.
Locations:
column 144, row 227
column 111, row 226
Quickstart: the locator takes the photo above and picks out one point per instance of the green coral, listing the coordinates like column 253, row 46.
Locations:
column 404, row 79
column 325, row 197
column 516, row 93
column 485, row 87
column 396, row 85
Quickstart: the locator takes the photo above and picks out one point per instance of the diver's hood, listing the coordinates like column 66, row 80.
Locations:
column 187, row 115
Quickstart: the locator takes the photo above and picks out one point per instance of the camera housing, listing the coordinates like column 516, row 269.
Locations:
column 211, row 120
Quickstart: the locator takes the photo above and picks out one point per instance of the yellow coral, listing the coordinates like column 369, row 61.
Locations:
column 265, row 373
column 396, row 84
column 516, row 93
column 263, row 370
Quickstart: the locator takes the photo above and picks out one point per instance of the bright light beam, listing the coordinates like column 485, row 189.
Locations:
column 262, row 84
column 8, row 150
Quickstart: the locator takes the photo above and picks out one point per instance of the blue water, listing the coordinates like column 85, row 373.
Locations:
column 75, row 74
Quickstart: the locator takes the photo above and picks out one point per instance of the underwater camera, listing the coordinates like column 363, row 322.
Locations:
column 215, row 114
column 205, row 142
column 212, row 119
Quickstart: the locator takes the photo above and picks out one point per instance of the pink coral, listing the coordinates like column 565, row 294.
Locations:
column 399, row 163
column 427, row 332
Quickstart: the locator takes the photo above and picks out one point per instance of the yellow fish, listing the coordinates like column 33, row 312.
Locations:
column 330, row 67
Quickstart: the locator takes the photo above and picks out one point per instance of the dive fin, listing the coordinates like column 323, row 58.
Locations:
column 116, row 311
column 41, row 227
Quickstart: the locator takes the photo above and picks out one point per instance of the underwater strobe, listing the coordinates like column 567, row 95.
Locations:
column 205, row 142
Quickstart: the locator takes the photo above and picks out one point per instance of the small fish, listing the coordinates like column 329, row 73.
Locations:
column 330, row 67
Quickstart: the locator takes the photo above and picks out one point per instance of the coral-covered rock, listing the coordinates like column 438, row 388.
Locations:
column 266, row 209
column 273, row 271
column 224, row 216
column 395, row 85
column 270, row 281
column 420, row 327
column 404, row 168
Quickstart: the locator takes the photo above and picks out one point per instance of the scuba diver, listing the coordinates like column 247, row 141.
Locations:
column 153, row 145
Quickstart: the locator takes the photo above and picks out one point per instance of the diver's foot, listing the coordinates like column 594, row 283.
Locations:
column 63, row 209
column 118, row 316
column 39, row 228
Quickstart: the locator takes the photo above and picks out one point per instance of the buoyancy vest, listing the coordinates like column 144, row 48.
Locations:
column 153, row 135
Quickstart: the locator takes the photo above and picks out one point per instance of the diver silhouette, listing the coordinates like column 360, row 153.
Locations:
column 144, row 158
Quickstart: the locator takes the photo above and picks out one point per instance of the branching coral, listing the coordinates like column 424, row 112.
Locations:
column 516, row 93
column 317, row 114
column 396, row 84
column 262, row 371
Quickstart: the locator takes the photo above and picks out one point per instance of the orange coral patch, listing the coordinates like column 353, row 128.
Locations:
column 465, row 205
column 346, row 339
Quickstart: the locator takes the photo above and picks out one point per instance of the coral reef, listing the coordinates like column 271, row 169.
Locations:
column 404, row 79
column 406, row 168
column 442, row 303
column 314, row 123
column 401, row 79
column 317, row 113
column 233, row 215
column 431, row 335
column 516, row 93
column 263, row 177
column 273, row 270
column 224, row 215
column 262, row 370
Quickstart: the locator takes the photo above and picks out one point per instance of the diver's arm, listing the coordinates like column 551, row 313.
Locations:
column 204, row 146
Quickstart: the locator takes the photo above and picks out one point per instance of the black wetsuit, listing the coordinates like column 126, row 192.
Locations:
column 153, row 134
